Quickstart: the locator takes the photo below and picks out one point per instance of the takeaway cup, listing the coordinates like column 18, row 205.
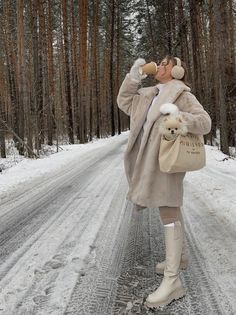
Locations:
column 148, row 68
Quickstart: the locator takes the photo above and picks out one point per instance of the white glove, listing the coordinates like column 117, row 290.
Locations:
column 134, row 71
column 169, row 109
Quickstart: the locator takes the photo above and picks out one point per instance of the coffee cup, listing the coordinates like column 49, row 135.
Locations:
column 148, row 68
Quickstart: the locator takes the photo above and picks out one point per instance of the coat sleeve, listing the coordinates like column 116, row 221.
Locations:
column 127, row 94
column 196, row 118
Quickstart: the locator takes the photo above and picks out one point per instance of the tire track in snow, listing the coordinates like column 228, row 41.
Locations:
column 69, row 251
column 25, row 219
column 95, row 291
column 125, row 292
column 145, row 246
column 97, row 170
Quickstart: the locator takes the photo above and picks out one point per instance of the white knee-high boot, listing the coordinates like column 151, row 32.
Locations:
column 160, row 267
column 171, row 287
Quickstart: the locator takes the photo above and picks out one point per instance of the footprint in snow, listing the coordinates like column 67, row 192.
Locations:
column 76, row 259
column 40, row 299
column 78, row 266
column 59, row 257
column 49, row 290
column 39, row 273
column 53, row 264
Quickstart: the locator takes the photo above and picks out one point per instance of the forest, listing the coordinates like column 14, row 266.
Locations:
column 62, row 63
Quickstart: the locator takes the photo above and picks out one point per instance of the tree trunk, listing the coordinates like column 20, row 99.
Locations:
column 218, row 8
column 111, row 72
column 36, row 84
column 41, row 84
column 182, row 22
column 75, row 69
column 21, row 73
column 196, row 47
column 95, row 78
column 153, row 46
column 67, row 71
column 83, row 64
column 51, row 90
column 118, row 49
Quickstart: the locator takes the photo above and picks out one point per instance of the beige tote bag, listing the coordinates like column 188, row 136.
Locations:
column 183, row 154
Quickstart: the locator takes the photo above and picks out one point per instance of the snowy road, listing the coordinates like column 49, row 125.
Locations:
column 71, row 244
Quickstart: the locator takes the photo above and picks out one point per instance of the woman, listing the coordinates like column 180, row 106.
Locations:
column 148, row 186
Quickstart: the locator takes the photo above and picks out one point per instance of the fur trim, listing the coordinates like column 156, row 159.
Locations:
column 169, row 108
column 139, row 62
column 135, row 75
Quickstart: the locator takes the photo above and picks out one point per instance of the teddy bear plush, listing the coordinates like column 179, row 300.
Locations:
column 172, row 124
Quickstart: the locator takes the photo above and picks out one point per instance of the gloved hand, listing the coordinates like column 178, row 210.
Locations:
column 169, row 109
column 134, row 71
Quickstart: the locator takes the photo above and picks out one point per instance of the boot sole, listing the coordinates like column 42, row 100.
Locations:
column 174, row 296
column 161, row 271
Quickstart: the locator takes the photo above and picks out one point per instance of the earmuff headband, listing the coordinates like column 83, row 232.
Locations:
column 178, row 61
column 177, row 71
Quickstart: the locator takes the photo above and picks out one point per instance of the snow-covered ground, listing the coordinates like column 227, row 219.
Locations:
column 53, row 209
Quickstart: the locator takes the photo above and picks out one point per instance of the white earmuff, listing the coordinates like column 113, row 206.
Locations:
column 177, row 71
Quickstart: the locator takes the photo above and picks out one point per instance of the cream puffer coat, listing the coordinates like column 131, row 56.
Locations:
column 148, row 186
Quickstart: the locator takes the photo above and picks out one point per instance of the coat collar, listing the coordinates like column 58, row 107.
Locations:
column 169, row 94
column 174, row 86
column 177, row 84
